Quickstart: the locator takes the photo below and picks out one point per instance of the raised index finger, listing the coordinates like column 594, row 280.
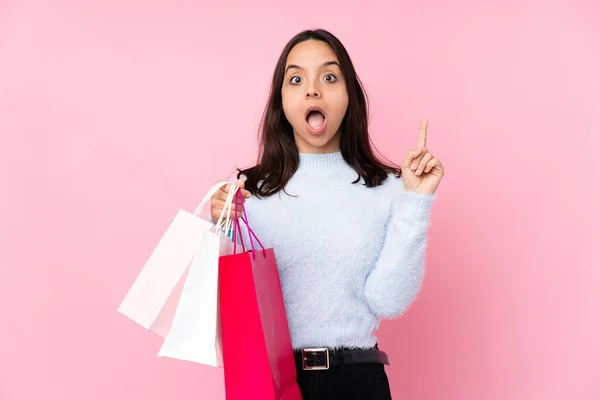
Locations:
column 423, row 134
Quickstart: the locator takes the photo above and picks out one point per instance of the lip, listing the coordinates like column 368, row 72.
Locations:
column 314, row 108
column 320, row 129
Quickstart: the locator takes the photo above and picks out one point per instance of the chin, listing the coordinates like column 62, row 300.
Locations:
column 321, row 142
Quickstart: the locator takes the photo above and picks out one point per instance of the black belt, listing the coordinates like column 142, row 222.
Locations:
column 323, row 358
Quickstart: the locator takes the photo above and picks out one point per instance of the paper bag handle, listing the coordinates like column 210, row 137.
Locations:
column 227, row 207
column 209, row 195
column 237, row 228
column 227, row 210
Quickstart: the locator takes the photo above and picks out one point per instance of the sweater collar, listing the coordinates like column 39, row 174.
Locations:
column 321, row 161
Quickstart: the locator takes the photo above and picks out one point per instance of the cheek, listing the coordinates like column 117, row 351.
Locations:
column 341, row 103
column 287, row 107
column 288, row 104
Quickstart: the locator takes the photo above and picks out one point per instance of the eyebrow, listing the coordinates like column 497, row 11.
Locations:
column 325, row 64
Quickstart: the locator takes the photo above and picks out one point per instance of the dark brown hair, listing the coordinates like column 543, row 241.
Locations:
column 278, row 157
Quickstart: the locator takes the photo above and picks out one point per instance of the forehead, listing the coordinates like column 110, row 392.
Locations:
column 311, row 53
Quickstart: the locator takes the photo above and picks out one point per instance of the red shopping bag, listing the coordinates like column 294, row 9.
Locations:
column 258, row 358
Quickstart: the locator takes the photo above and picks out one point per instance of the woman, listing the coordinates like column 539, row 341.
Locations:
column 349, row 232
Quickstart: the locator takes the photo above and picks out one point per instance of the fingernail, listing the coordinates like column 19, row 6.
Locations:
column 413, row 166
column 418, row 172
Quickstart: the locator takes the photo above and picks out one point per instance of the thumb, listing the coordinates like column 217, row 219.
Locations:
column 241, row 184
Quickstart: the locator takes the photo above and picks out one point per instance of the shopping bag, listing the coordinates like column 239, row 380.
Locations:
column 152, row 299
column 195, row 333
column 257, row 349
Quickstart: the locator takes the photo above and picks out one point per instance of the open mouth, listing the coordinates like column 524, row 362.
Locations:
column 315, row 120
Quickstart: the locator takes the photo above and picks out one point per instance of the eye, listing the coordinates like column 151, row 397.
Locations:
column 295, row 80
column 330, row 78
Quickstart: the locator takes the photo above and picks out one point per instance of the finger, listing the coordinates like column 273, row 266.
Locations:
column 423, row 163
column 241, row 184
column 423, row 134
column 216, row 214
column 417, row 160
column 433, row 163
column 223, row 192
column 412, row 155
column 217, row 205
column 220, row 204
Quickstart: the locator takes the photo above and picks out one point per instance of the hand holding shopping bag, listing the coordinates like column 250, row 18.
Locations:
column 257, row 348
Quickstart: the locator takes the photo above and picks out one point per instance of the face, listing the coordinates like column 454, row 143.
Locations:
column 314, row 97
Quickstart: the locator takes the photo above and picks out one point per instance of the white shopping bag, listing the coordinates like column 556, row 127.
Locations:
column 196, row 331
column 152, row 299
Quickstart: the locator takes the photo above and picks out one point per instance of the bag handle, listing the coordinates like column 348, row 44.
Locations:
column 220, row 224
column 209, row 195
column 227, row 210
column 228, row 225
column 237, row 228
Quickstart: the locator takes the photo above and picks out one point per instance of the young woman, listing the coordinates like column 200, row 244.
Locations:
column 349, row 232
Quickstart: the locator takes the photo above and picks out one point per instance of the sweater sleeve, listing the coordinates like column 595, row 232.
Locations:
column 397, row 275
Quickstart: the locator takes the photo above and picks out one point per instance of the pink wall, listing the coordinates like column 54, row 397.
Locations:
column 112, row 117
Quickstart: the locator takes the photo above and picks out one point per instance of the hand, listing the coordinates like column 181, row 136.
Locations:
column 421, row 171
column 217, row 202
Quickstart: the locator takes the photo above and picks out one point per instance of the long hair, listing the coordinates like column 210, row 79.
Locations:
column 278, row 157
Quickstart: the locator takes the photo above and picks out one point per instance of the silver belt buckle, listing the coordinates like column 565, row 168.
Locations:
column 315, row 359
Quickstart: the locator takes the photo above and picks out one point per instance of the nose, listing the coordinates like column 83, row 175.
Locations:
column 312, row 91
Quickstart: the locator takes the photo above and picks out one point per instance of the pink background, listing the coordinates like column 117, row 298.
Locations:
column 113, row 116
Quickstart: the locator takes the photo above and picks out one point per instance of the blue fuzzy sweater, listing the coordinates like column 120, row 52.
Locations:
column 347, row 255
